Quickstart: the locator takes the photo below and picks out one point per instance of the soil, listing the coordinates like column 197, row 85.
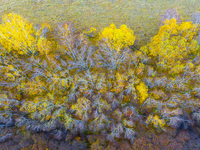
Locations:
column 13, row 139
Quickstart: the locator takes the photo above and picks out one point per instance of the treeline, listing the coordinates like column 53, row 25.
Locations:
column 98, row 82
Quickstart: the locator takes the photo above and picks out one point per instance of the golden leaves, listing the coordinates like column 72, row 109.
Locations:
column 18, row 36
column 118, row 38
column 143, row 92
column 82, row 107
column 174, row 42
column 156, row 121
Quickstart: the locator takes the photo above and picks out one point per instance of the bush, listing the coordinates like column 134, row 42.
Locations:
column 156, row 122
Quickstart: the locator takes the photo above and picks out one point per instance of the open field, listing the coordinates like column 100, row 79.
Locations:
column 141, row 15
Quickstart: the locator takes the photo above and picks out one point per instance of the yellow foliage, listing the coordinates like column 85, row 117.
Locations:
column 6, row 104
column 44, row 46
column 38, row 109
column 120, row 82
column 173, row 44
column 156, row 121
column 143, row 92
column 92, row 35
column 17, row 36
column 118, row 38
column 68, row 121
column 82, row 107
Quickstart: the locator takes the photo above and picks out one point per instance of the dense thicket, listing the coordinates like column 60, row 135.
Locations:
column 96, row 81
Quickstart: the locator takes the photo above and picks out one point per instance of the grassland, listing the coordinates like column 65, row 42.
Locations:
column 140, row 15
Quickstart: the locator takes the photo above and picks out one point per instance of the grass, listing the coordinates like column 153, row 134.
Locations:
column 140, row 15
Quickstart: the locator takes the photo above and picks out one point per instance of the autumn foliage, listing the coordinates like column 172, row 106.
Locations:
column 95, row 82
column 20, row 37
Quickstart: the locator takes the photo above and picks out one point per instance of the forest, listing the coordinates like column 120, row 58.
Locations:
column 99, row 82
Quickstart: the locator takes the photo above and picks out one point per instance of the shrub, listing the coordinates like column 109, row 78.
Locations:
column 156, row 122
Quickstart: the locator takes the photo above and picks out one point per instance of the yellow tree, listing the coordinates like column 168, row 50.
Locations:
column 173, row 45
column 18, row 36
